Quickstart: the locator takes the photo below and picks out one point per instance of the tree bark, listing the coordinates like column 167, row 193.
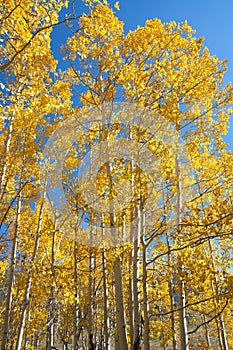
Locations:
column 28, row 283
column 136, row 304
column 121, row 329
column 6, row 322
column 215, row 290
column 90, row 305
column 171, row 296
column 106, row 319
column 76, row 298
column 208, row 342
column 181, row 287
column 146, row 338
column 6, row 153
column 130, row 302
column 51, row 301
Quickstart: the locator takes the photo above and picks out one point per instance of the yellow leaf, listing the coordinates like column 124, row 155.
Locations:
column 117, row 6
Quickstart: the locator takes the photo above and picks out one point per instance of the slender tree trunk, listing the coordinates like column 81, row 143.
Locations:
column 215, row 290
column 76, row 298
column 131, row 266
column 136, row 304
column 182, row 314
column 181, row 287
column 27, row 338
column 146, row 338
column 6, row 153
column 50, row 323
column 130, row 302
column 51, row 308
column 90, row 305
column 208, row 342
column 121, row 329
column 222, row 338
column 171, row 295
column 121, row 338
column 223, row 334
column 23, row 314
column 6, row 322
column 28, row 283
column 106, row 319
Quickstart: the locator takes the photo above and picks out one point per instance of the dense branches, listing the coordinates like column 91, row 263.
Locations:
column 138, row 252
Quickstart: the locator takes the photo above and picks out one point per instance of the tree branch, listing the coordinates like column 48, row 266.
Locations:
column 11, row 60
column 210, row 320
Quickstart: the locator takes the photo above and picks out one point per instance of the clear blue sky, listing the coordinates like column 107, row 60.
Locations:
column 212, row 19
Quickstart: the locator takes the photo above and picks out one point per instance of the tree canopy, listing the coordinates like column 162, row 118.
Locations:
column 115, row 184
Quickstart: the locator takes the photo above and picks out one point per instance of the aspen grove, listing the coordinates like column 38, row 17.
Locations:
column 171, row 286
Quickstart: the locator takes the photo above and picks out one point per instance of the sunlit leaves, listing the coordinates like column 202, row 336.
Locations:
column 160, row 66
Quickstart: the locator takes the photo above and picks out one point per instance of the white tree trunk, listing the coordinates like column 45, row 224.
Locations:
column 76, row 298
column 90, row 305
column 181, row 287
column 171, row 295
column 136, row 304
column 208, row 341
column 28, row 284
column 106, row 318
column 121, row 329
column 145, row 306
column 7, row 149
column 182, row 315
column 215, row 290
column 6, row 322
column 51, row 301
column 130, row 302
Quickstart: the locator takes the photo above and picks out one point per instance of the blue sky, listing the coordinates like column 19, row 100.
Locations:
column 212, row 19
